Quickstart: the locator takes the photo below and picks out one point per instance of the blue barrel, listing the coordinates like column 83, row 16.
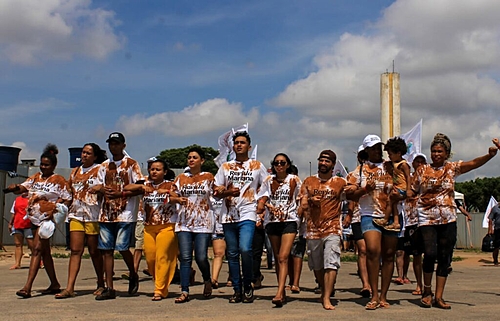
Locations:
column 75, row 156
column 9, row 157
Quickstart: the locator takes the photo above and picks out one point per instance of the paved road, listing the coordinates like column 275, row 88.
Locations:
column 473, row 290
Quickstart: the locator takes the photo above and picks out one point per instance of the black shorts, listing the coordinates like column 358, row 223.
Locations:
column 298, row 247
column 280, row 228
column 357, row 234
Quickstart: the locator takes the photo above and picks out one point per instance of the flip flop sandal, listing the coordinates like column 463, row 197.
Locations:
column 183, row 298
column 372, row 305
column 416, row 292
column 99, row 290
column 157, row 298
column 207, row 290
column 65, row 294
column 426, row 301
column 23, row 294
column 439, row 303
column 384, row 305
column 295, row 289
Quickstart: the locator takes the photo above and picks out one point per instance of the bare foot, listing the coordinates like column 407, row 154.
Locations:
column 14, row 267
column 327, row 305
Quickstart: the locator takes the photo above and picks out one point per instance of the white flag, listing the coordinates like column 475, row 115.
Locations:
column 226, row 152
column 339, row 170
column 492, row 203
column 413, row 140
column 254, row 152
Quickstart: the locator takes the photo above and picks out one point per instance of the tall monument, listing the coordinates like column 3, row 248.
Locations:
column 390, row 121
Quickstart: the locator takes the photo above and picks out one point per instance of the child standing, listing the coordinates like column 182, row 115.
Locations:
column 396, row 148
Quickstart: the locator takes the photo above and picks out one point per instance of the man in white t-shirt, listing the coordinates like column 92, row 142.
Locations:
column 118, row 213
column 238, row 182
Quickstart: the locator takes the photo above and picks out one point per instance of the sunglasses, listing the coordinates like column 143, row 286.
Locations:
column 281, row 163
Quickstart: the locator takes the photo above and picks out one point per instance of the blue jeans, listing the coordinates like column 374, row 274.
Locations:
column 201, row 242
column 239, row 237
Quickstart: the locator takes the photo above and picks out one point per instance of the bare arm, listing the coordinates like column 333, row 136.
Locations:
column 479, row 161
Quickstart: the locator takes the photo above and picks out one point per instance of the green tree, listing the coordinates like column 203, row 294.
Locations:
column 177, row 157
column 478, row 192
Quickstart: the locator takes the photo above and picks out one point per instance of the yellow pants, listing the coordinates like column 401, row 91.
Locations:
column 161, row 248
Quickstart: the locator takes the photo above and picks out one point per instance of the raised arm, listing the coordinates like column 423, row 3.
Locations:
column 479, row 161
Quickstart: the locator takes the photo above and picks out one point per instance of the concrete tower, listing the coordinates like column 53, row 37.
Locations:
column 390, row 121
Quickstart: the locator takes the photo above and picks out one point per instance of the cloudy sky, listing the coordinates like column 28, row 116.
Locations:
column 303, row 74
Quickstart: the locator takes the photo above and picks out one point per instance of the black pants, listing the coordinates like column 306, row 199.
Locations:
column 438, row 241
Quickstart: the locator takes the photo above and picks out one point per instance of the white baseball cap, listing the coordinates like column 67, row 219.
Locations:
column 420, row 155
column 371, row 140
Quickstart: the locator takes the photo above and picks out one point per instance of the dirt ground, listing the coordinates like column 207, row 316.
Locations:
column 472, row 290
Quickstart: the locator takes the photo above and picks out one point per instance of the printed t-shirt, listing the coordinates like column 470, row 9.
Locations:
column 216, row 207
column 436, row 189
column 248, row 176
column 155, row 210
column 197, row 215
column 85, row 206
column 43, row 195
column 373, row 203
column 118, row 174
column 323, row 220
column 282, row 199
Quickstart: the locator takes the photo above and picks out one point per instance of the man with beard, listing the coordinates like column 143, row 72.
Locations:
column 321, row 205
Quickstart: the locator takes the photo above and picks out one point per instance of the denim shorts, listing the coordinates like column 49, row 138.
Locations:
column 26, row 232
column 115, row 236
column 368, row 225
column 216, row 236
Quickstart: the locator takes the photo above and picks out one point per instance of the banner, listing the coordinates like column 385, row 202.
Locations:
column 492, row 203
column 225, row 141
column 413, row 140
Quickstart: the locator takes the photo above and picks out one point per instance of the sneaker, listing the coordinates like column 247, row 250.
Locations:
column 248, row 296
column 236, row 298
column 133, row 284
column 146, row 271
column 107, row 294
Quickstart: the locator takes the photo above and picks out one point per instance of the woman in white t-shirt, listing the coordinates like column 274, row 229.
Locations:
column 280, row 218
column 83, row 216
column 196, row 221
column 46, row 190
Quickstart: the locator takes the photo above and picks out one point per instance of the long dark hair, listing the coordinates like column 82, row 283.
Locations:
column 288, row 160
column 50, row 152
column 98, row 152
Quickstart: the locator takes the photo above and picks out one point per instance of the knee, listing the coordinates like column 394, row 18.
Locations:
column 201, row 257
column 76, row 252
column 283, row 258
column 218, row 253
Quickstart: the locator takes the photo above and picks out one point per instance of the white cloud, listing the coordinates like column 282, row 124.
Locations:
column 191, row 121
column 32, row 31
column 28, row 108
column 448, row 55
